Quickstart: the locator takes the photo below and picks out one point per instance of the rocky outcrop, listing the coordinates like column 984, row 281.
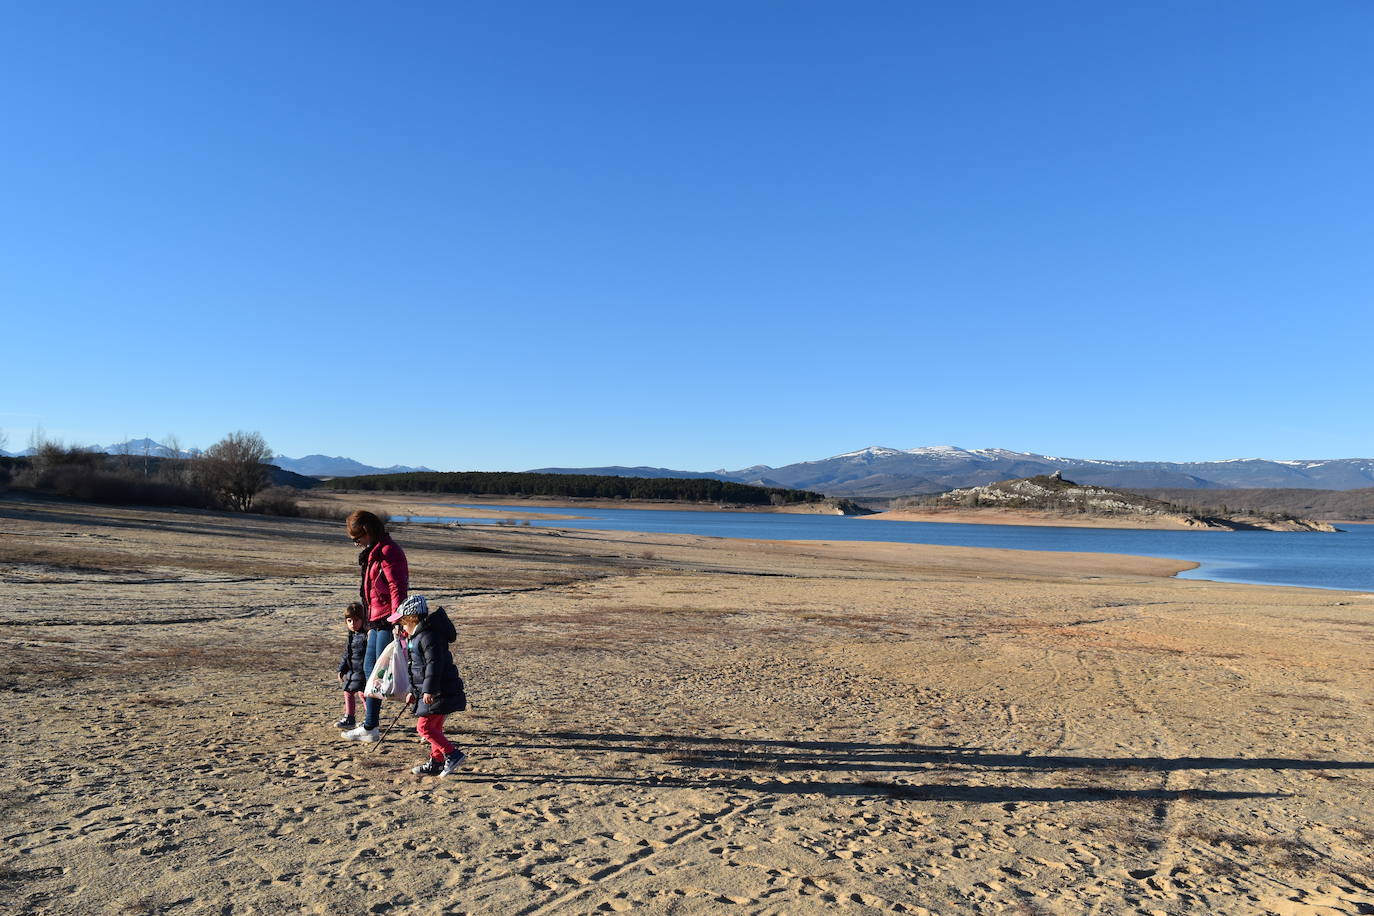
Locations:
column 827, row 507
column 1260, row 523
column 1052, row 493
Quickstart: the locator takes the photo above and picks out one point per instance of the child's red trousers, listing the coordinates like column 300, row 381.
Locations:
column 431, row 728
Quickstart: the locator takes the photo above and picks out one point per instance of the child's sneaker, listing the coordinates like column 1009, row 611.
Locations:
column 346, row 723
column 428, row 768
column 452, row 762
column 363, row 733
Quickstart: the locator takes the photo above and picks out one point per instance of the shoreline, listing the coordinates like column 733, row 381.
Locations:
column 1048, row 519
column 1117, row 561
column 518, row 513
column 1029, row 518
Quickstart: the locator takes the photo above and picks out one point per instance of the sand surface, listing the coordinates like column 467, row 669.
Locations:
column 671, row 724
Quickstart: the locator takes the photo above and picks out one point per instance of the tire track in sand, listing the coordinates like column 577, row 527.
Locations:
column 556, row 903
column 1172, row 788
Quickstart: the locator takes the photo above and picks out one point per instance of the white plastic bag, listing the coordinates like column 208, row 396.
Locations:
column 391, row 675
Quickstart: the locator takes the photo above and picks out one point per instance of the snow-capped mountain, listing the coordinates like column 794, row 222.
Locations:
column 881, row 471
column 884, row 471
column 138, row 447
column 146, row 447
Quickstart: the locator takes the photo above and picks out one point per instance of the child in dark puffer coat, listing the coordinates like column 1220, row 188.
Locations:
column 435, row 686
column 352, row 677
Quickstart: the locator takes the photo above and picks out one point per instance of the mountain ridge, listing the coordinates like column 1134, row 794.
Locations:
column 882, row 471
column 337, row 466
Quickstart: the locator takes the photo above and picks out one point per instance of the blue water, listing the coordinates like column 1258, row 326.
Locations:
column 1342, row 561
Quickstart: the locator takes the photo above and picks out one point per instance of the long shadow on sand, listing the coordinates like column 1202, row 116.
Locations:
column 876, row 788
column 884, row 770
column 750, row 753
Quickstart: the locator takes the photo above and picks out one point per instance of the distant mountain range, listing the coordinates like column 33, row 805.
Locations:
column 325, row 466
column 879, row 471
column 883, row 472
column 309, row 466
column 139, row 447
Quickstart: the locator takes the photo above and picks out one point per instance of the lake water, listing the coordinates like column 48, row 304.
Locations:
column 1317, row 560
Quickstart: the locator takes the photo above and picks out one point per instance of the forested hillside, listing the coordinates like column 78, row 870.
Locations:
column 499, row 483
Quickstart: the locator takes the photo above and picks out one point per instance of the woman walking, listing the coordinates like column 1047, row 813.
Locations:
column 385, row 582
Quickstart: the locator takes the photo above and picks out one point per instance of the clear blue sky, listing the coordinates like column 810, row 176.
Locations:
column 694, row 235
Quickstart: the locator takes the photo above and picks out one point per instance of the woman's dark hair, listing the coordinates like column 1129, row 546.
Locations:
column 355, row 611
column 362, row 520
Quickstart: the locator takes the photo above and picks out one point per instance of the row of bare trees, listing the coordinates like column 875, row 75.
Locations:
column 229, row 473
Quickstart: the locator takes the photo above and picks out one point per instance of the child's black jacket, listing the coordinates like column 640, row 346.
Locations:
column 432, row 669
column 351, row 665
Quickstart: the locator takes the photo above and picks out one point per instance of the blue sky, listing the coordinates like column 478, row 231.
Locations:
column 693, row 235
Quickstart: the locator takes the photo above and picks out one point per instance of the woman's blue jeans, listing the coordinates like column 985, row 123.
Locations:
column 377, row 640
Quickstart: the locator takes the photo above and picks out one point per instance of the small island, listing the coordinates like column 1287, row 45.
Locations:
column 1052, row 500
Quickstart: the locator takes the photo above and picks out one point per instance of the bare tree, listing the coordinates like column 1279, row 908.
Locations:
column 125, row 456
column 172, row 467
column 235, row 468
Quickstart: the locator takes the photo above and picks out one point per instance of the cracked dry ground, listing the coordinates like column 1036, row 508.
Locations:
column 674, row 725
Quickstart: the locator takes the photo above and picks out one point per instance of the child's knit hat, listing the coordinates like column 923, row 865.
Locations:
column 414, row 606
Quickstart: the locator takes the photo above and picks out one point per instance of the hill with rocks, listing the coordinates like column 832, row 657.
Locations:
column 1054, row 496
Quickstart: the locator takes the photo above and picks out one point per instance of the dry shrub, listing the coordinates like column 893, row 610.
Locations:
column 112, row 487
column 279, row 501
column 327, row 512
